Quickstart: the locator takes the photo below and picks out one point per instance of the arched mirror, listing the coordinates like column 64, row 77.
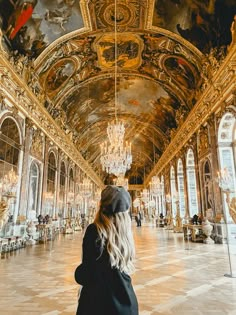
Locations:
column 61, row 203
column 33, row 188
column 192, row 185
column 9, row 160
column 173, row 190
column 51, row 183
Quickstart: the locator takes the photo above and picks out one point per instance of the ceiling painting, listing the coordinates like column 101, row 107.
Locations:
column 31, row 25
column 59, row 74
column 204, row 23
column 181, row 72
column 128, row 51
column 163, row 47
column 87, row 111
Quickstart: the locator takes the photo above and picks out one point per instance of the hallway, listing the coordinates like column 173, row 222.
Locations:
column 172, row 278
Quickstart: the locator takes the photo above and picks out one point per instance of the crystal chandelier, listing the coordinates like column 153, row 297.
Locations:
column 9, row 183
column 116, row 156
column 145, row 195
column 85, row 188
column 155, row 186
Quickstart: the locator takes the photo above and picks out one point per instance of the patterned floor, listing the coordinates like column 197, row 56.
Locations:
column 173, row 277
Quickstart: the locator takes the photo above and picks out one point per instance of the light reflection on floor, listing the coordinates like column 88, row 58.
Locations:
column 173, row 277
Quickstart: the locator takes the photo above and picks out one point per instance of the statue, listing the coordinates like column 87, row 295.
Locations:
column 232, row 209
column 3, row 213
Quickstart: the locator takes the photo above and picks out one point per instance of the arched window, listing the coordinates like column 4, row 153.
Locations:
column 192, row 186
column 33, row 188
column 180, row 179
column 173, row 190
column 51, row 182
column 62, row 189
column 227, row 153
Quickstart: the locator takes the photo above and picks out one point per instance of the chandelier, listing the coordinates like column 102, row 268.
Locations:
column 85, row 188
column 9, row 183
column 155, row 186
column 145, row 195
column 116, row 156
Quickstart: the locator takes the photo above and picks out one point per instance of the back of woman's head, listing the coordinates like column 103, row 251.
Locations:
column 114, row 227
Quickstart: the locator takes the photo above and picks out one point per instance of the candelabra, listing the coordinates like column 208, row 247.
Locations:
column 170, row 223
column 85, row 190
column 178, row 220
column 156, row 189
column 227, row 184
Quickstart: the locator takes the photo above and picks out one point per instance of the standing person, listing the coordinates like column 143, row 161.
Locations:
column 139, row 219
column 108, row 253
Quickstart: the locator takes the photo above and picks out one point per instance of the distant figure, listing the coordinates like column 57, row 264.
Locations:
column 138, row 219
column 107, row 260
column 40, row 219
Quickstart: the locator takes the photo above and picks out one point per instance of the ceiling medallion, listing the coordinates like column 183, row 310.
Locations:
column 125, row 15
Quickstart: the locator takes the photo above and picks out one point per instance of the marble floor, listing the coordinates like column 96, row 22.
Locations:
column 173, row 277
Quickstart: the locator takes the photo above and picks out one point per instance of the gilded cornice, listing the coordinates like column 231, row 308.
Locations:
column 136, row 187
column 18, row 93
column 220, row 90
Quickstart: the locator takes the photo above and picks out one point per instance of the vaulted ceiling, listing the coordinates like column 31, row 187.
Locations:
column 162, row 46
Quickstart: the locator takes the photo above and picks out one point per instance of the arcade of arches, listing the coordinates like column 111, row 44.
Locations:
column 178, row 96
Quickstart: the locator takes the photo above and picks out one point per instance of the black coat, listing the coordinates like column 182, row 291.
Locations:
column 105, row 290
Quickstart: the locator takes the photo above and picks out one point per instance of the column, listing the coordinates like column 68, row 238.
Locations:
column 24, row 183
column 215, row 167
column 45, row 175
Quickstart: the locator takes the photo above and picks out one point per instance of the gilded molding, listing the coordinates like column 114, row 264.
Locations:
column 221, row 90
column 19, row 94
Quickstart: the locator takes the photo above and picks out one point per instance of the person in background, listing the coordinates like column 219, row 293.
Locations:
column 139, row 220
column 107, row 259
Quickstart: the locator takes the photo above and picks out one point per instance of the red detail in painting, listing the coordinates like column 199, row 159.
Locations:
column 134, row 102
column 21, row 18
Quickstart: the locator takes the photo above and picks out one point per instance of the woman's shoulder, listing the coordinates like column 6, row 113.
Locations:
column 91, row 230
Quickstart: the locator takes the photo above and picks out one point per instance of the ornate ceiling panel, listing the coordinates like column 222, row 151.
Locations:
column 162, row 49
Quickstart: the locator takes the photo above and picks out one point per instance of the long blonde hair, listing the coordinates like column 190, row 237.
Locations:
column 116, row 234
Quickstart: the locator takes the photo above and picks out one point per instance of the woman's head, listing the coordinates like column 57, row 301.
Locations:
column 114, row 199
column 114, row 227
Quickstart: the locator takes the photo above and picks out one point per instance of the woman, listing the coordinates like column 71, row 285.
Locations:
column 108, row 252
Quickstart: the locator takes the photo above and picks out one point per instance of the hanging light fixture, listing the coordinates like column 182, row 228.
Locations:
column 85, row 188
column 116, row 155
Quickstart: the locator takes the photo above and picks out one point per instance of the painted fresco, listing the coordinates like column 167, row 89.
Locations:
column 96, row 102
column 59, row 74
column 31, row 25
column 181, row 72
column 205, row 23
column 128, row 51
